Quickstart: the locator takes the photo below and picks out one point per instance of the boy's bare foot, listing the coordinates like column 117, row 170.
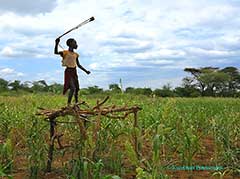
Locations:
column 76, row 104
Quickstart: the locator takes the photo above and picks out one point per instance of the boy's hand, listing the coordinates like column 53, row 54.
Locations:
column 88, row 72
column 57, row 40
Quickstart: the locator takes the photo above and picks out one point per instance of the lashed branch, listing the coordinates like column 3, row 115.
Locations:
column 76, row 110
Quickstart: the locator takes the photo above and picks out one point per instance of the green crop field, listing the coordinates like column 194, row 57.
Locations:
column 177, row 138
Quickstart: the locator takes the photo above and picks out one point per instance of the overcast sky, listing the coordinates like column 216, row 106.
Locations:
column 146, row 43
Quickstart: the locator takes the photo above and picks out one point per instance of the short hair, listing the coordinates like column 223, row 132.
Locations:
column 69, row 41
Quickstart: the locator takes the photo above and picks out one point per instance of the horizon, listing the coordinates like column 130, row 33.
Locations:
column 144, row 44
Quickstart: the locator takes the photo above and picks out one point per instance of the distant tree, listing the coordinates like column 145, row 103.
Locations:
column 55, row 88
column 137, row 91
column 147, row 91
column 187, row 89
column 84, row 91
column 94, row 90
column 188, row 82
column 165, row 91
column 212, row 81
column 187, row 92
column 233, row 83
column 26, row 86
column 40, row 86
column 157, row 92
column 15, row 85
column 3, row 85
column 198, row 83
column 114, row 88
column 129, row 90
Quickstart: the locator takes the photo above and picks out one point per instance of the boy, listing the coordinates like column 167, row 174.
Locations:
column 70, row 60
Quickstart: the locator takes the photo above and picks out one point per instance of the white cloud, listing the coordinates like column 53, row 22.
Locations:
column 162, row 62
column 9, row 73
column 161, row 53
column 55, row 76
column 27, row 6
column 199, row 52
column 7, row 51
column 6, row 71
column 152, row 34
column 94, row 66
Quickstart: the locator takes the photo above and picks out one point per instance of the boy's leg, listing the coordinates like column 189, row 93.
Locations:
column 76, row 84
column 70, row 95
column 72, row 89
column 76, row 95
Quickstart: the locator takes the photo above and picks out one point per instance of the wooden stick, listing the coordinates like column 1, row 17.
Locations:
column 51, row 145
column 100, row 104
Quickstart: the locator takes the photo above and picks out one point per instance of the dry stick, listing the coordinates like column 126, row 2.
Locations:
column 59, row 142
column 100, row 104
column 82, row 128
column 135, row 125
column 97, row 127
column 51, row 145
column 79, row 120
column 70, row 111
column 119, row 117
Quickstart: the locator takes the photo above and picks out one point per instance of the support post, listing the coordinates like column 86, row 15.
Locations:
column 51, row 145
column 135, row 125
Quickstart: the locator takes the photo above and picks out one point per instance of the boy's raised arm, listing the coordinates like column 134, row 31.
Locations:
column 56, row 47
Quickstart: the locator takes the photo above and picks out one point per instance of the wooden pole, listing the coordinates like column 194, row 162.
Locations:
column 135, row 125
column 51, row 145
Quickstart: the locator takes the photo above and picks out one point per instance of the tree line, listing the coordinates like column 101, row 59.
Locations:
column 206, row 81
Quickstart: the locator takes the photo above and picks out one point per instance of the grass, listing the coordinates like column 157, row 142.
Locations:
column 171, row 132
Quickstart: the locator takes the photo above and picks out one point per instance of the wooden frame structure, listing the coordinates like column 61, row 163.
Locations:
column 82, row 112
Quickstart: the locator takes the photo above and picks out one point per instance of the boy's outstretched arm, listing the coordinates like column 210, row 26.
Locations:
column 82, row 68
column 56, row 47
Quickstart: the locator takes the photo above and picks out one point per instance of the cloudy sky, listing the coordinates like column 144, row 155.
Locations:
column 146, row 43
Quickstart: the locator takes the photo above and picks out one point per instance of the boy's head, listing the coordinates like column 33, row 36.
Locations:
column 72, row 43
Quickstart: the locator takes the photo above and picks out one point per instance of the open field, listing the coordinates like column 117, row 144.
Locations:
column 177, row 138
